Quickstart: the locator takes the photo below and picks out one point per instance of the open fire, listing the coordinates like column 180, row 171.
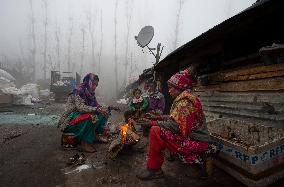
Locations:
column 128, row 133
column 127, row 137
column 123, row 133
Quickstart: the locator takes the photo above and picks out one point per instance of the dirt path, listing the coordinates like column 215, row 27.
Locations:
column 32, row 156
column 123, row 170
column 32, row 159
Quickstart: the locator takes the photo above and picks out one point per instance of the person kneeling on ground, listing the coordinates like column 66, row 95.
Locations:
column 83, row 116
column 183, row 132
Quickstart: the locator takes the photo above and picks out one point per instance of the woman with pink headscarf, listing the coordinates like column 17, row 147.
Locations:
column 183, row 132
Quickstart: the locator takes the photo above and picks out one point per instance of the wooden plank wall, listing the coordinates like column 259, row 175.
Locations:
column 255, row 92
column 258, row 78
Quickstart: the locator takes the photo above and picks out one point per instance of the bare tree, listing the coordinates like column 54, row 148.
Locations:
column 4, row 62
column 69, row 43
column 52, row 64
column 128, row 15
column 57, row 38
column 131, row 65
column 33, row 36
column 28, row 67
column 19, row 66
column 45, row 23
column 115, row 48
column 101, row 44
column 91, row 29
column 21, row 56
column 83, row 49
column 180, row 5
column 23, row 68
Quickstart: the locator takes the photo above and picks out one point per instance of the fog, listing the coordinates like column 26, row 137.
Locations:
column 78, row 35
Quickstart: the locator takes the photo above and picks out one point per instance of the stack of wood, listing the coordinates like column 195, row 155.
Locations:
column 245, row 109
column 247, row 78
column 252, row 91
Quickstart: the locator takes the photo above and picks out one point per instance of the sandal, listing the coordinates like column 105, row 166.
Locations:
column 171, row 157
column 101, row 138
column 150, row 174
column 81, row 159
column 73, row 159
column 82, row 148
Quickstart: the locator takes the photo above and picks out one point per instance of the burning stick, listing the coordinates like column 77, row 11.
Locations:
column 128, row 137
column 128, row 133
column 123, row 133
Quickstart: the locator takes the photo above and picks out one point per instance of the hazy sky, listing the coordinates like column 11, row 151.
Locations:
column 197, row 16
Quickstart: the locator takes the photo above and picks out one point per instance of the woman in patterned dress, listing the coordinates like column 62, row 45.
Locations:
column 182, row 132
column 83, row 116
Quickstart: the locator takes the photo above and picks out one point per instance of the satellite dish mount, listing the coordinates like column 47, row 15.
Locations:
column 144, row 38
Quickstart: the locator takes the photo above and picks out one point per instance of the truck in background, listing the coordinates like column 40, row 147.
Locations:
column 62, row 84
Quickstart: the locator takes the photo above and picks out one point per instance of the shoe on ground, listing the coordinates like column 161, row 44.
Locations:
column 73, row 159
column 101, row 138
column 81, row 159
column 87, row 147
column 148, row 174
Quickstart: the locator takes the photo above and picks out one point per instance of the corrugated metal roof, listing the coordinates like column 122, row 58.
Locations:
column 247, row 13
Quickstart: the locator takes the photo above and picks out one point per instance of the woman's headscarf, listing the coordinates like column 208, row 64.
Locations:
column 85, row 90
column 182, row 80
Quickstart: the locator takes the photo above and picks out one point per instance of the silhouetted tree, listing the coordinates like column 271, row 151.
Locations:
column 33, row 36
column 83, row 49
column 57, row 38
column 101, row 44
column 128, row 15
column 115, row 48
column 45, row 23
column 91, row 28
column 69, row 43
column 176, row 34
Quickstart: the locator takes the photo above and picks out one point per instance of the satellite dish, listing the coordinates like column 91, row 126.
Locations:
column 145, row 36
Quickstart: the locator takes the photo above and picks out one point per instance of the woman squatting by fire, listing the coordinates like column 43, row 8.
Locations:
column 83, row 116
column 181, row 132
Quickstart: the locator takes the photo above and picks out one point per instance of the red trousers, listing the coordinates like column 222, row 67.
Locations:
column 157, row 145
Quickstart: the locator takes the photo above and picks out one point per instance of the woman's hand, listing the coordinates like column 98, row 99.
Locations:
column 150, row 116
column 166, row 117
column 114, row 108
column 137, row 109
column 144, row 120
column 103, row 111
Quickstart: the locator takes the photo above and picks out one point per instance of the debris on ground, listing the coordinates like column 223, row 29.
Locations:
column 78, row 169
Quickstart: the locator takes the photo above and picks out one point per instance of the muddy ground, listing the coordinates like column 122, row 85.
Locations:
column 31, row 156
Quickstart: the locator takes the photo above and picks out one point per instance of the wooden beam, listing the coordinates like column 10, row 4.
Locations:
column 226, row 78
column 274, row 98
column 247, row 73
column 253, row 70
column 249, row 85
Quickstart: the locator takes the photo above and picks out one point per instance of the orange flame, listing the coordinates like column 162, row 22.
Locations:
column 123, row 132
